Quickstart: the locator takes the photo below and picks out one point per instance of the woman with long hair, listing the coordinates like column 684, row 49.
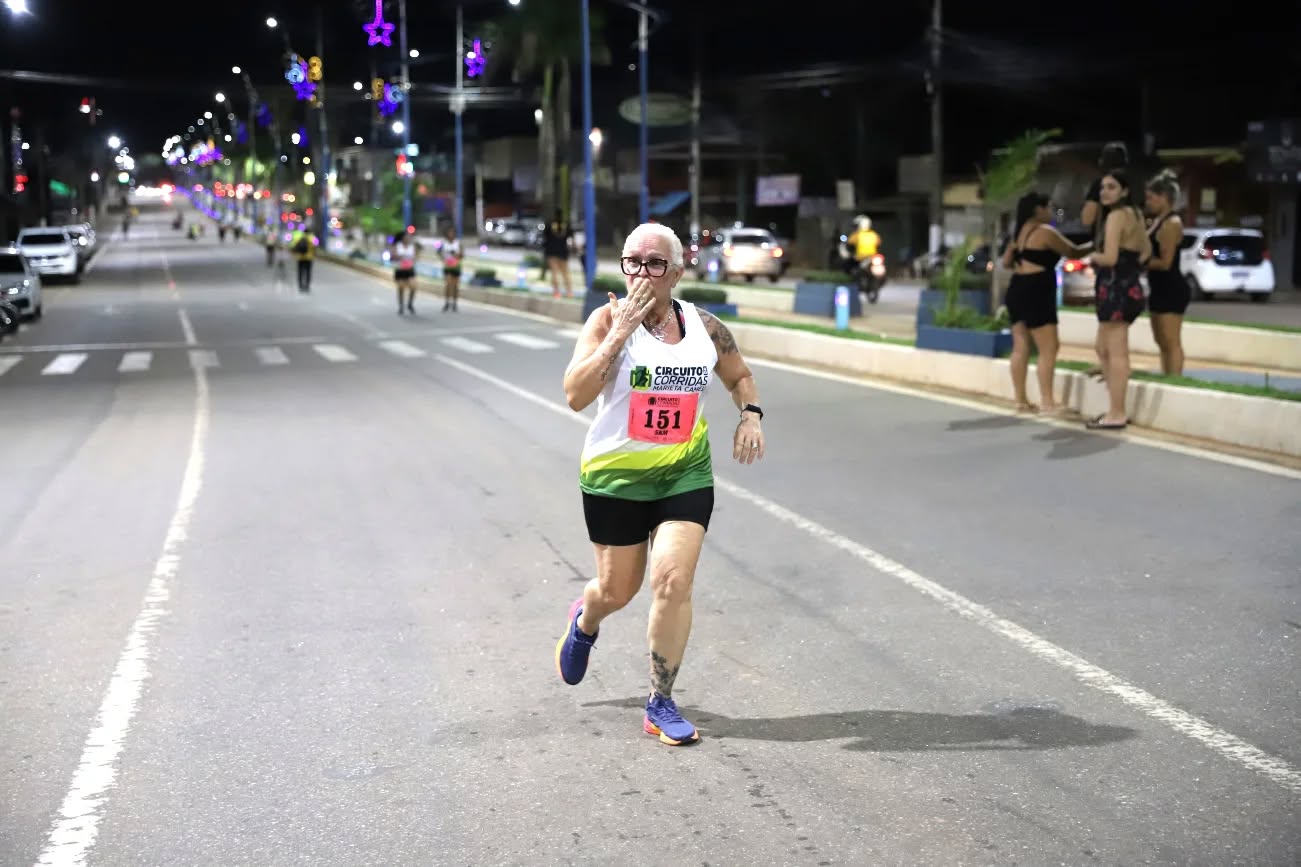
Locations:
column 1118, row 262
column 1032, row 296
column 1170, row 293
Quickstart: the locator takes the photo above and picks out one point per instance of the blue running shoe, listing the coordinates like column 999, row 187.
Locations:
column 663, row 720
column 573, row 648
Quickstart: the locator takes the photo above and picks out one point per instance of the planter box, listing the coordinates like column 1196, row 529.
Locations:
column 990, row 344
column 933, row 299
column 819, row 299
column 485, row 281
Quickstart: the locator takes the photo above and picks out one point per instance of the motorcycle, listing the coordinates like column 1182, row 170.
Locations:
column 9, row 318
column 870, row 275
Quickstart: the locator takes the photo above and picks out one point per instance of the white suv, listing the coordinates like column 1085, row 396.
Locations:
column 51, row 252
column 1216, row 261
column 20, row 285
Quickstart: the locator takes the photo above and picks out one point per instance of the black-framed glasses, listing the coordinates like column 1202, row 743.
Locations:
column 654, row 267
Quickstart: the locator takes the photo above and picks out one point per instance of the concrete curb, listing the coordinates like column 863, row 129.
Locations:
column 1262, row 424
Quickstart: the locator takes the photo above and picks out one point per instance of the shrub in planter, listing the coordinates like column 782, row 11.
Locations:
column 704, row 296
column 815, row 293
column 484, row 277
column 973, row 292
column 531, row 261
column 957, row 327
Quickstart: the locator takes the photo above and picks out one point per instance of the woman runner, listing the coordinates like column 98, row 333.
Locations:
column 646, row 475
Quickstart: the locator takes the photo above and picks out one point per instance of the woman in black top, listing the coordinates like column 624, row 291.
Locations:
column 1170, row 293
column 1118, row 263
column 1032, row 296
column 555, row 247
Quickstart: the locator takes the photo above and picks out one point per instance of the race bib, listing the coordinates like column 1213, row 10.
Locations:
column 664, row 418
column 407, row 264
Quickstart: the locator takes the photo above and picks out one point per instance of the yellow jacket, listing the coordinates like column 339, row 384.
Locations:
column 865, row 244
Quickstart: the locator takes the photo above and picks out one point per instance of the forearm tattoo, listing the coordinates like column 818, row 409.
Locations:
column 609, row 365
column 662, row 676
column 724, row 342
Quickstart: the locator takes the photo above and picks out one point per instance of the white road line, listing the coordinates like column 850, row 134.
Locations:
column 528, row 341
column 76, row 828
column 1227, row 745
column 569, row 333
column 8, row 362
column 402, row 349
column 157, row 344
column 992, row 409
column 333, row 352
column 64, row 364
column 135, row 362
column 271, row 355
column 243, row 305
column 202, row 359
column 465, row 344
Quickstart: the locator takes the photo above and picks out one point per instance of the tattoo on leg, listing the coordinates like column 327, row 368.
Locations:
column 662, row 676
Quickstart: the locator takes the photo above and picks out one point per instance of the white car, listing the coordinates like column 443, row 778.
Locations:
column 1221, row 260
column 20, row 285
column 51, row 252
column 743, row 252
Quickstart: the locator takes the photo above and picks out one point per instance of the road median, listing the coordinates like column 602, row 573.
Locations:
column 1240, row 421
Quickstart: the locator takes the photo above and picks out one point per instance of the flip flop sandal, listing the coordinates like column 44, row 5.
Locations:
column 1098, row 424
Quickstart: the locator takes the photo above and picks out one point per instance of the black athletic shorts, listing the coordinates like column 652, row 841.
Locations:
column 404, row 273
column 613, row 521
column 1032, row 299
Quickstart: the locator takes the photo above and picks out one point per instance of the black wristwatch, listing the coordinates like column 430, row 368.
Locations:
column 749, row 407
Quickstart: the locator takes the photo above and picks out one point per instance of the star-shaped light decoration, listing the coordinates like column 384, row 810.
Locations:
column 305, row 89
column 474, row 60
column 379, row 31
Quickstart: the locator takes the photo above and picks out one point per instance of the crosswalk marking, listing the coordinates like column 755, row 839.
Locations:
column 271, row 355
column 64, row 364
column 402, row 349
column 528, row 341
column 333, row 352
column 203, row 358
column 7, row 363
column 465, row 344
column 135, row 362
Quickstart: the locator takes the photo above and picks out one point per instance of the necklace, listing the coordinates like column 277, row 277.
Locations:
column 660, row 329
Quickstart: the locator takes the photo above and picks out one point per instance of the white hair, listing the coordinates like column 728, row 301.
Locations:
column 656, row 230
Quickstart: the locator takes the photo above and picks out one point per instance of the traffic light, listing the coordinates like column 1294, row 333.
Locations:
column 405, row 166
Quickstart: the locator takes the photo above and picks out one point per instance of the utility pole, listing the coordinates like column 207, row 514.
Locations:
column 937, row 133
column 589, row 181
column 694, row 172
column 323, row 175
column 458, row 106
column 406, row 114
column 373, row 160
column 643, row 40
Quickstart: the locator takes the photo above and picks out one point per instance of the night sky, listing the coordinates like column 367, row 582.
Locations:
column 1009, row 66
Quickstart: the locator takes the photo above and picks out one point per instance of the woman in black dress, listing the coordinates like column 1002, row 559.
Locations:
column 1118, row 262
column 1170, row 293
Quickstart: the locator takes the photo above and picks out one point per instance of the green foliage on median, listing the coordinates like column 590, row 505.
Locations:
column 828, row 330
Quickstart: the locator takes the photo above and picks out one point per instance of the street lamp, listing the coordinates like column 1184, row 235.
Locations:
column 399, row 127
column 207, row 115
column 414, row 54
column 114, row 142
column 358, row 140
column 357, row 85
column 272, row 23
column 236, row 70
column 18, row 7
column 220, row 97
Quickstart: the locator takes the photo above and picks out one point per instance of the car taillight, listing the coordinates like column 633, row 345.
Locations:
column 1073, row 265
column 1264, row 255
column 776, row 252
column 727, row 249
column 1206, row 253
column 878, row 259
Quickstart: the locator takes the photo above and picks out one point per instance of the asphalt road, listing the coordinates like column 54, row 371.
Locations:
column 284, row 589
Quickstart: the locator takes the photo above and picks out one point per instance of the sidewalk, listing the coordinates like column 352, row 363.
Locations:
column 903, row 327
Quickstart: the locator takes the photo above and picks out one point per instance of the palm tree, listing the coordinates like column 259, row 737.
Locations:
column 1009, row 174
column 546, row 38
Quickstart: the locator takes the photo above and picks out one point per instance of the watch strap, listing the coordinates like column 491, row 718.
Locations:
column 749, row 407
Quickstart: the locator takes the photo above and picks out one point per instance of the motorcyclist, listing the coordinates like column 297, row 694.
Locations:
column 864, row 248
column 864, row 241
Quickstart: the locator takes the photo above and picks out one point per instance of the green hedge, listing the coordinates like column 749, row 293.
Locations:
column 531, row 261
column 485, row 272
column 605, row 283
column 704, row 296
column 840, row 278
column 969, row 282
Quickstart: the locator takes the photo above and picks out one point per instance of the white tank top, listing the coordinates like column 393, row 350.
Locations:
column 649, row 439
column 406, row 255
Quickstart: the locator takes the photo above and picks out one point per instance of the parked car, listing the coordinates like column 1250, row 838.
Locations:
column 1218, row 261
column 20, row 285
column 742, row 252
column 508, row 233
column 50, row 251
column 85, row 242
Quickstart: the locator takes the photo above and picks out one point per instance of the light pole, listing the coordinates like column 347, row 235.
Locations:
column 458, row 106
column 406, row 112
column 251, row 92
column 589, row 183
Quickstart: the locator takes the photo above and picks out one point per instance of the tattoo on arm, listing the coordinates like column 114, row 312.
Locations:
column 609, row 365
column 724, row 342
column 662, row 676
